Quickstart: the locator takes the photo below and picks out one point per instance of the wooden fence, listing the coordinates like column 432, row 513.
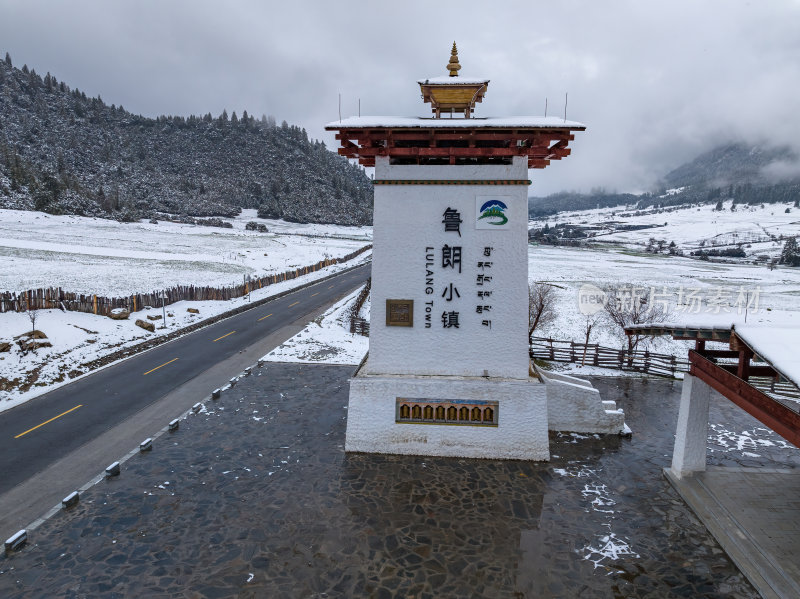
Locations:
column 359, row 325
column 592, row 354
column 56, row 297
column 643, row 361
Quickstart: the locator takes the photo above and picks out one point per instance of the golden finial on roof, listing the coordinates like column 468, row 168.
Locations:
column 453, row 65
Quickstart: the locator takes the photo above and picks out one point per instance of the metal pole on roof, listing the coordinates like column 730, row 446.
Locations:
column 545, row 106
column 340, row 107
column 566, row 98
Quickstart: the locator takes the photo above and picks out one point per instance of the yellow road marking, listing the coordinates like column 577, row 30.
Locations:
column 223, row 337
column 294, row 304
column 313, row 294
column 47, row 421
column 157, row 367
column 263, row 317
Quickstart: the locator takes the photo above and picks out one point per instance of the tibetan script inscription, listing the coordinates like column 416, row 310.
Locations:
column 399, row 313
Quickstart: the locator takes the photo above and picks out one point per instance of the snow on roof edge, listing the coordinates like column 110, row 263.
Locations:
column 776, row 345
column 399, row 122
column 447, row 80
column 772, row 342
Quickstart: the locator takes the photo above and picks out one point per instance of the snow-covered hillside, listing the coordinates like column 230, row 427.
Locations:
column 62, row 152
column 759, row 230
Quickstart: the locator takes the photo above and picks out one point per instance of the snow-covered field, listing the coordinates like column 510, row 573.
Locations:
column 106, row 257
column 697, row 292
column 691, row 228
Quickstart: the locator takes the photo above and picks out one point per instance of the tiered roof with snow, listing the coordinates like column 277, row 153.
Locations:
column 453, row 135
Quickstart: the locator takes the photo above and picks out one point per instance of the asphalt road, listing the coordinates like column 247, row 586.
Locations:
column 39, row 432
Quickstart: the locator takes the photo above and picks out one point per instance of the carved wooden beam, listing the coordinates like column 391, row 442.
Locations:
column 758, row 404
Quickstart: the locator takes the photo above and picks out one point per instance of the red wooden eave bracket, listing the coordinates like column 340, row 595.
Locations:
column 771, row 413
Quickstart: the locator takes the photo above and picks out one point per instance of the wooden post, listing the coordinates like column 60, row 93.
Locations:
column 95, row 304
column 586, row 345
column 743, row 370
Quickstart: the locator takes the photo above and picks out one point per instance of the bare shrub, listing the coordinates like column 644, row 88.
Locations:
column 627, row 306
column 541, row 306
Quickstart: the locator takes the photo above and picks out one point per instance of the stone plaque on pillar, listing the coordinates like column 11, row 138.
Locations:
column 399, row 313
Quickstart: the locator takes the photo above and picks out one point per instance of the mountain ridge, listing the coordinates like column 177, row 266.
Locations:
column 739, row 171
column 62, row 152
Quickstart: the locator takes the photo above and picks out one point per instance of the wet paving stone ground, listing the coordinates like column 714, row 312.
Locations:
column 255, row 497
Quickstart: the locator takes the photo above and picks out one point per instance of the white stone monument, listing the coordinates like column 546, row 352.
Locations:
column 447, row 372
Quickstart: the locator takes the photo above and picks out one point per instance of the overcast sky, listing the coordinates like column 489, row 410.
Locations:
column 656, row 82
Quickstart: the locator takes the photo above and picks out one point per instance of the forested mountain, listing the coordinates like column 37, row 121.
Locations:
column 63, row 152
column 745, row 173
column 731, row 164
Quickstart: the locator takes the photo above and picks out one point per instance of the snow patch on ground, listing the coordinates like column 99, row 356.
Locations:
column 608, row 547
column 327, row 339
column 722, row 439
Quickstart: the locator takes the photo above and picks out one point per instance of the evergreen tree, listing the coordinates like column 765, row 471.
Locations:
column 8, row 59
column 791, row 252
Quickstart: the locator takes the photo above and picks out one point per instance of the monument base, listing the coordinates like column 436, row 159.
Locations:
column 471, row 417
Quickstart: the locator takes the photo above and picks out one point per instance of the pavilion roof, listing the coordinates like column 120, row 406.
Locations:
column 777, row 346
